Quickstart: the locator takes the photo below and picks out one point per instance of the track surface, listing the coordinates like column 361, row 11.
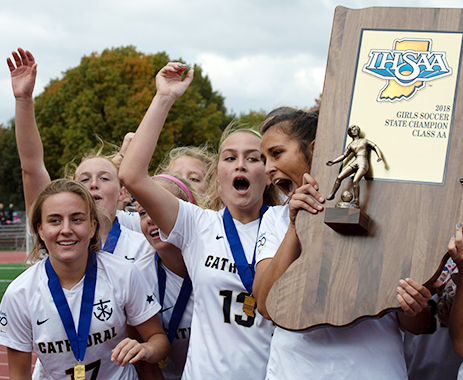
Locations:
column 5, row 258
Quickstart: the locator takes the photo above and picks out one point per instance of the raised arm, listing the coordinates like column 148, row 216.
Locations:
column 125, row 145
column 35, row 176
column 159, row 203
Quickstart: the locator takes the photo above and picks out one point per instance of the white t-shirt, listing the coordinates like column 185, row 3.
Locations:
column 178, row 353
column 130, row 220
column 372, row 349
column 224, row 343
column 31, row 321
column 431, row 356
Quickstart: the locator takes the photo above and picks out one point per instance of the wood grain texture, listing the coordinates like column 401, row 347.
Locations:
column 340, row 278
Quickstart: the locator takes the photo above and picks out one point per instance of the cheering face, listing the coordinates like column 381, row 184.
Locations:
column 191, row 169
column 66, row 228
column 284, row 162
column 150, row 229
column 241, row 172
column 99, row 176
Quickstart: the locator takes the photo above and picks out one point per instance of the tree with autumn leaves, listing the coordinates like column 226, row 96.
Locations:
column 107, row 96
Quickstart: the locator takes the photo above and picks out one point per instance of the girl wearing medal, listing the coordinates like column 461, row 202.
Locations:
column 73, row 305
column 225, row 342
column 371, row 348
column 97, row 173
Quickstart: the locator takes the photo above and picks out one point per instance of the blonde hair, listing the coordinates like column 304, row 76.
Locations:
column 272, row 195
column 57, row 187
column 202, row 153
column 71, row 167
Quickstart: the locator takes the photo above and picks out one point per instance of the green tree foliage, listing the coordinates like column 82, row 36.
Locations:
column 108, row 94
column 10, row 169
column 252, row 118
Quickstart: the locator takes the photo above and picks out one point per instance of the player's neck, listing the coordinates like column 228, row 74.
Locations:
column 245, row 215
column 105, row 226
column 69, row 274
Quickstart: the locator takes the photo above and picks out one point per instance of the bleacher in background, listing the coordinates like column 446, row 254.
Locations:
column 13, row 237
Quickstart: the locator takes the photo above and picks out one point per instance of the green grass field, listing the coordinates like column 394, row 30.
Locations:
column 8, row 272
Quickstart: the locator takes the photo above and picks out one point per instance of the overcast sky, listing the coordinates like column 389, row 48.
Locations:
column 259, row 54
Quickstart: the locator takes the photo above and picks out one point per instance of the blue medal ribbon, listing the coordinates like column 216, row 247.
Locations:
column 77, row 341
column 245, row 271
column 113, row 237
column 180, row 304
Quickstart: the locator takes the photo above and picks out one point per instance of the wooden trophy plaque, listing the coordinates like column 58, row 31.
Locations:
column 394, row 73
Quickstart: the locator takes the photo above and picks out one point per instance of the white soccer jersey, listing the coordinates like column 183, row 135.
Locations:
column 372, row 349
column 134, row 248
column 177, row 356
column 224, row 343
column 132, row 245
column 33, row 322
column 130, row 220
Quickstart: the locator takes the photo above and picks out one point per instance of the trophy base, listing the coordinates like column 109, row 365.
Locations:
column 347, row 220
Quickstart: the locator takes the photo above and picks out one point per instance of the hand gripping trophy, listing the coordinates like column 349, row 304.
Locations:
column 360, row 148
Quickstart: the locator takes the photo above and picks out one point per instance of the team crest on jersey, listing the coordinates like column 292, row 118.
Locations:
column 103, row 310
column 406, row 68
column 261, row 242
column 3, row 322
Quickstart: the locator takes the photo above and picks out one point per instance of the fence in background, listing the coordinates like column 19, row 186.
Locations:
column 13, row 237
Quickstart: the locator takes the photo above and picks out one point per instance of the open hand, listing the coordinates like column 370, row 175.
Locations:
column 23, row 73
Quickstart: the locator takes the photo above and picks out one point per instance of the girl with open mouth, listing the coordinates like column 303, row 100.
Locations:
column 371, row 348
column 218, row 244
column 173, row 285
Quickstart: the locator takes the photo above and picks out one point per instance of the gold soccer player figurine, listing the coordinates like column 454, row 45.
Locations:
column 360, row 148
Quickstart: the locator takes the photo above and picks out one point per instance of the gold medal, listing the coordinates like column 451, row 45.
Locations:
column 162, row 364
column 79, row 371
column 249, row 305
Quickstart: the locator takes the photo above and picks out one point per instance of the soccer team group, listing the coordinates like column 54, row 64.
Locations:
column 177, row 289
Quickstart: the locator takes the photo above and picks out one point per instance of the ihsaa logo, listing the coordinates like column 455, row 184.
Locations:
column 406, row 68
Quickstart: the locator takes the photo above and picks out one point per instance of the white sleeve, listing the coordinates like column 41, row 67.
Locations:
column 15, row 323
column 191, row 221
column 130, row 220
column 272, row 231
column 140, row 301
